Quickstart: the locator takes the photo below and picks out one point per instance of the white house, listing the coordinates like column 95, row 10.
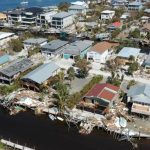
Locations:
column 80, row 3
column 62, row 20
column 107, row 14
column 23, row 16
column 5, row 37
column 135, row 5
column 77, row 9
column 139, row 96
column 45, row 18
column 33, row 42
column 99, row 52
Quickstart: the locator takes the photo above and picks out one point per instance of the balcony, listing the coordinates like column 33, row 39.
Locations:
column 141, row 109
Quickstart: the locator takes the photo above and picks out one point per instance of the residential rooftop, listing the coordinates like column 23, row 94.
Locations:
column 54, row 45
column 103, row 46
column 140, row 93
column 35, row 40
column 126, row 52
column 104, row 91
column 62, row 15
column 17, row 66
column 77, row 7
column 78, row 46
column 4, row 35
column 136, row 3
column 147, row 61
column 108, row 11
column 4, row 59
column 42, row 73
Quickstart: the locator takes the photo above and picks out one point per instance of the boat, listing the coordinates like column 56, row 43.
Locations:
column 52, row 117
column 59, row 118
column 24, row 2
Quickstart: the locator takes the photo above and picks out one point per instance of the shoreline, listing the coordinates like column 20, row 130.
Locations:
column 131, row 137
column 62, row 126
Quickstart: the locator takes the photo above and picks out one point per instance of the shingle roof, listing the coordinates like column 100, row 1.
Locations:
column 35, row 40
column 17, row 66
column 42, row 73
column 103, row 46
column 103, row 91
column 76, row 47
column 126, row 52
column 140, row 93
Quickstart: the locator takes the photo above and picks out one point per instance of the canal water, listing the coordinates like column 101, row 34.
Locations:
column 41, row 133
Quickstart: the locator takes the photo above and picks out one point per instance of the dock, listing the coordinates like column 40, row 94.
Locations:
column 14, row 145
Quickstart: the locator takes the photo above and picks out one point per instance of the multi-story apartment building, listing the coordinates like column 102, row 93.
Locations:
column 62, row 20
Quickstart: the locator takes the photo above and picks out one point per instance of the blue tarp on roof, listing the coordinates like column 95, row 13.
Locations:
column 42, row 73
column 4, row 59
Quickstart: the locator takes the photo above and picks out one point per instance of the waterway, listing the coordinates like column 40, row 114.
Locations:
column 41, row 133
column 10, row 4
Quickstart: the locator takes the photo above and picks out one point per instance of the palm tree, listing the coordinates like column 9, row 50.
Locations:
column 61, row 95
column 71, row 73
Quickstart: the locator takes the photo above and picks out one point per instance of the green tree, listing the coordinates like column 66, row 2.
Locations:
column 133, row 67
column 82, row 64
column 34, row 51
column 63, row 6
column 148, row 35
column 131, row 83
column 61, row 95
column 135, row 33
column 115, row 33
column 26, row 35
column 131, row 58
column 15, row 45
column 71, row 73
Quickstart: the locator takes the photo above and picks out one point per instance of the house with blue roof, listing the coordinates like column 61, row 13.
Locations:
column 40, row 76
column 139, row 96
column 77, row 48
column 125, row 53
column 4, row 59
column 147, row 62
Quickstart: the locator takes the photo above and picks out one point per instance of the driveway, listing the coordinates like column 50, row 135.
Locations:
column 77, row 84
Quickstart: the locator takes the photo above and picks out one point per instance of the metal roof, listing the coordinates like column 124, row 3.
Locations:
column 147, row 61
column 35, row 40
column 17, row 66
column 147, row 10
column 77, row 7
column 77, row 47
column 126, row 52
column 62, row 15
column 4, row 59
column 42, row 73
column 54, row 45
column 140, row 93
column 107, row 11
column 5, row 34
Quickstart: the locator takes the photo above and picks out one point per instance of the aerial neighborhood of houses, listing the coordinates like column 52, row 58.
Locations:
column 87, row 61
